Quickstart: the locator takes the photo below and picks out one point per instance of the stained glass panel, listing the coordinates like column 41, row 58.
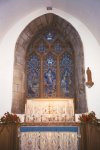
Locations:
column 33, row 76
column 57, row 47
column 50, row 35
column 41, row 47
column 50, row 76
column 66, row 75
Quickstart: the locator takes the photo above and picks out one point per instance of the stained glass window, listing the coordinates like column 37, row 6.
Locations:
column 50, row 76
column 50, row 67
column 33, row 76
column 66, row 76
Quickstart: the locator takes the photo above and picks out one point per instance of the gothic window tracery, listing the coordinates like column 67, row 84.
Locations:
column 33, row 76
column 57, row 46
column 50, row 67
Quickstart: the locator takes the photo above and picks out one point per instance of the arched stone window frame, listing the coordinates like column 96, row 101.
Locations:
column 19, row 82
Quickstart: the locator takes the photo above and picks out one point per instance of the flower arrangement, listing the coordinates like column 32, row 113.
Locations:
column 88, row 118
column 9, row 118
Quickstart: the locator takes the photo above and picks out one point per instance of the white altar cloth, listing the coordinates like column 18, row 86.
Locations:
column 49, row 110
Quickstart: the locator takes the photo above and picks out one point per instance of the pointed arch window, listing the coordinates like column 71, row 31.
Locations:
column 50, row 67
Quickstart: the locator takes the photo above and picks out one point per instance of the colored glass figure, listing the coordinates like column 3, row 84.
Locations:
column 57, row 47
column 42, row 47
column 33, row 76
column 50, row 61
column 50, row 36
column 50, row 77
column 66, row 75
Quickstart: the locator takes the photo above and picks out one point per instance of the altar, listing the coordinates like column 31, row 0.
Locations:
column 49, row 138
column 49, row 110
column 46, row 125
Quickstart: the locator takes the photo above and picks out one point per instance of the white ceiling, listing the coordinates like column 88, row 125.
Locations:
column 87, row 11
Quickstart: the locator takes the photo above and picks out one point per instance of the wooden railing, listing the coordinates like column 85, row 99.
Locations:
column 90, row 137
column 8, row 137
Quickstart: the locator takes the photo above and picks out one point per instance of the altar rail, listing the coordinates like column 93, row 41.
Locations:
column 8, row 137
column 90, row 137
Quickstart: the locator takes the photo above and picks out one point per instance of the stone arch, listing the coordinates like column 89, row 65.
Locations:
column 19, row 76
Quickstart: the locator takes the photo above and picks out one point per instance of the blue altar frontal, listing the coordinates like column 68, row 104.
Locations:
column 49, row 129
column 49, row 137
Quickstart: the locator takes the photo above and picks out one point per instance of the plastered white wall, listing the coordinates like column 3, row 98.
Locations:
column 7, row 47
